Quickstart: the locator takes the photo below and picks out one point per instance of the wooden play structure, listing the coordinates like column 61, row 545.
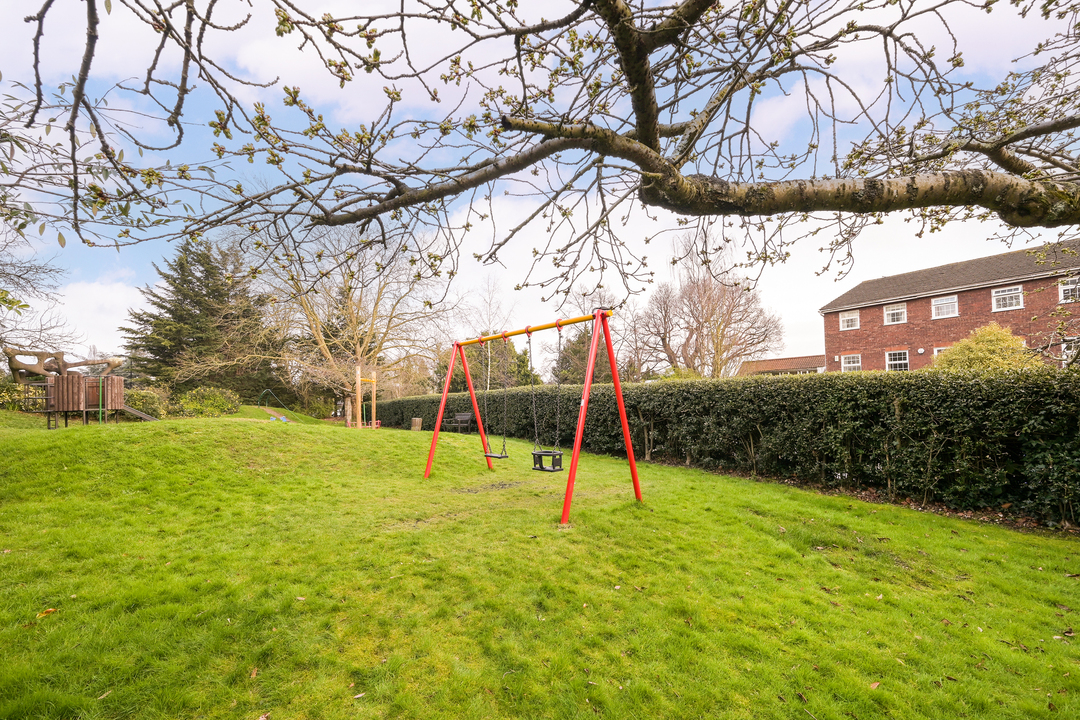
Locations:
column 545, row 460
column 63, row 391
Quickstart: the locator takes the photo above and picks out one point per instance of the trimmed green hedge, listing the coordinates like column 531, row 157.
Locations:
column 969, row 440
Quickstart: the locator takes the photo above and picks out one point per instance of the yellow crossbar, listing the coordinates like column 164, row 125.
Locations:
column 533, row 328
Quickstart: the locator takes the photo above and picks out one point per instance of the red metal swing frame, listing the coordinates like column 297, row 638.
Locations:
column 600, row 324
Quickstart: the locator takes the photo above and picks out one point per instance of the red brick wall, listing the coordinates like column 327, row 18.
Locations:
column 874, row 338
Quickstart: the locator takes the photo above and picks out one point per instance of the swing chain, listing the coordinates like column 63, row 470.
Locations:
column 487, row 388
column 532, row 391
column 506, row 386
column 558, row 386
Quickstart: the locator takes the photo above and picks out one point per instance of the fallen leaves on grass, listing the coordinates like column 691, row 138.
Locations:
column 874, row 685
column 104, row 695
column 254, row 671
column 357, row 697
column 43, row 613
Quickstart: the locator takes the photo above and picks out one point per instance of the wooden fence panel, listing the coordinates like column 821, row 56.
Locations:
column 68, row 393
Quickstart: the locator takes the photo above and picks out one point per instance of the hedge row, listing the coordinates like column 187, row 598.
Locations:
column 968, row 440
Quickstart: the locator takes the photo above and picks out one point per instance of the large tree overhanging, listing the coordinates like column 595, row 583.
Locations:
column 607, row 108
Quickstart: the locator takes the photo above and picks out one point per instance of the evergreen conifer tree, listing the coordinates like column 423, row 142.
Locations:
column 195, row 313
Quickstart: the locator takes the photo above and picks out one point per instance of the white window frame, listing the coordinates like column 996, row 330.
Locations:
column 845, row 366
column 1069, row 290
column 939, row 350
column 895, row 308
column 849, row 315
column 889, row 362
column 938, row 303
column 1007, row 292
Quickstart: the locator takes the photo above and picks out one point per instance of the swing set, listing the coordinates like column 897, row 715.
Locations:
column 543, row 460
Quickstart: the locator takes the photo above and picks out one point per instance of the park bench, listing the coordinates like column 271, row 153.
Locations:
column 460, row 421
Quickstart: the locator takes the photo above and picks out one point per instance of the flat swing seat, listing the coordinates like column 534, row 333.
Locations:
column 495, row 456
column 554, row 465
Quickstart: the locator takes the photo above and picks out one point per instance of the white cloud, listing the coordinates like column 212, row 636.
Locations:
column 97, row 309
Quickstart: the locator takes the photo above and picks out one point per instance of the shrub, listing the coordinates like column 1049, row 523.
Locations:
column 154, row 404
column 206, row 402
column 10, row 395
column 969, row 439
column 319, row 408
column 988, row 348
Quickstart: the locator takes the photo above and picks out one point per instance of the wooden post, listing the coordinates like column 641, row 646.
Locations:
column 374, row 392
column 359, row 397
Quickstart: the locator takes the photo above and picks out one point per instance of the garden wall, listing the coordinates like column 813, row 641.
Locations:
column 968, row 440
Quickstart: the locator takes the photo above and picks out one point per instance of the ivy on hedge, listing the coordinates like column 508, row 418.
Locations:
column 970, row 440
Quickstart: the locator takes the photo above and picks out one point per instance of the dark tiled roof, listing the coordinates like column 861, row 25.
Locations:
column 805, row 362
column 982, row 272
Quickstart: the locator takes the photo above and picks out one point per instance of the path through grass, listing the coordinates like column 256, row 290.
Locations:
column 225, row 569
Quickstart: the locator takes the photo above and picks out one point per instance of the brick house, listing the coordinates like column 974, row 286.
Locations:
column 900, row 322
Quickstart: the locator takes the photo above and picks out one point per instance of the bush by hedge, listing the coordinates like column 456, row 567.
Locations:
column 971, row 440
column 11, row 394
column 206, row 402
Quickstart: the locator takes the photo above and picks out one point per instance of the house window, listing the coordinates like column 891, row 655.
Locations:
column 850, row 363
column 945, row 307
column 896, row 360
column 938, row 351
column 896, row 314
column 1008, row 298
column 849, row 320
column 1069, row 291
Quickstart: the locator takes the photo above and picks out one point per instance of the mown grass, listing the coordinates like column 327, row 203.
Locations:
column 252, row 412
column 214, row 569
column 21, row 420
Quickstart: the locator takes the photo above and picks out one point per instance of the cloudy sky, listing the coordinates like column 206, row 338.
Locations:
column 102, row 284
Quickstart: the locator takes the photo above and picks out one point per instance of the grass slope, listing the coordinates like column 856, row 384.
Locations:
column 21, row 420
column 214, row 569
column 252, row 412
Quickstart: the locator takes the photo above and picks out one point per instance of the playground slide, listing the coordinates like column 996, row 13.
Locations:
column 136, row 413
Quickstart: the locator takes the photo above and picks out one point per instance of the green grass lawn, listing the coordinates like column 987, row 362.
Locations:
column 252, row 412
column 219, row 569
